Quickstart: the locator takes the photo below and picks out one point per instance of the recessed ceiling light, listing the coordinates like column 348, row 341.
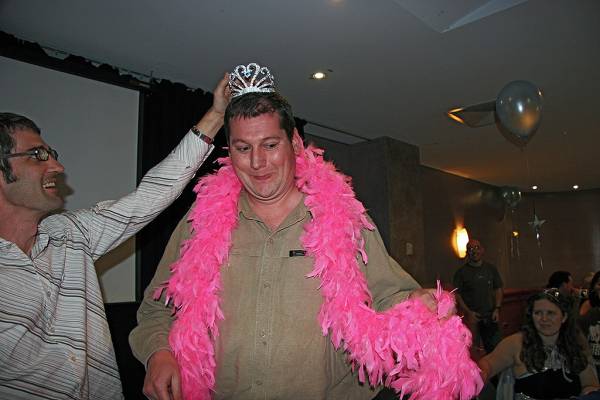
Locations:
column 318, row 75
column 575, row 187
column 535, row 187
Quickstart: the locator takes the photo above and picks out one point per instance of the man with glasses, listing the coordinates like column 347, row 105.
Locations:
column 54, row 338
column 40, row 153
column 479, row 294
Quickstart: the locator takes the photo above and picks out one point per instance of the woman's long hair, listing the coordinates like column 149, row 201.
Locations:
column 570, row 341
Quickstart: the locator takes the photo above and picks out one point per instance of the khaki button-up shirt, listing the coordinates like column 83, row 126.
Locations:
column 270, row 344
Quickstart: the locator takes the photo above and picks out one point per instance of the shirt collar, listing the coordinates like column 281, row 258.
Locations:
column 5, row 244
column 299, row 213
column 41, row 242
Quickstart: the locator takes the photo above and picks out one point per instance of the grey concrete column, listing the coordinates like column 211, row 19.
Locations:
column 386, row 176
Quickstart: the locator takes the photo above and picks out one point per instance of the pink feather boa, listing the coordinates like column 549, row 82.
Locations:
column 408, row 347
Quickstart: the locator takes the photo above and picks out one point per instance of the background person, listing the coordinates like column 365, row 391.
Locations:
column 248, row 253
column 563, row 281
column 589, row 319
column 548, row 357
column 479, row 294
column 54, row 338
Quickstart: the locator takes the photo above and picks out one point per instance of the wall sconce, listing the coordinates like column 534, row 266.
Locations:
column 475, row 115
column 459, row 243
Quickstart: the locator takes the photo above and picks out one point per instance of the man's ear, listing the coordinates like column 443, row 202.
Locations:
column 297, row 143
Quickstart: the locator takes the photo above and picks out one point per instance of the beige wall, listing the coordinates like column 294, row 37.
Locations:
column 386, row 176
column 421, row 205
column 450, row 201
column 570, row 237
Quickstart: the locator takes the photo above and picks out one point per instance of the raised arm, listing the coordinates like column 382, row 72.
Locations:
column 588, row 377
column 499, row 296
column 502, row 357
column 109, row 223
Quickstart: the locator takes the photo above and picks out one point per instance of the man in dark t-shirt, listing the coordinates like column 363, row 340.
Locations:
column 479, row 293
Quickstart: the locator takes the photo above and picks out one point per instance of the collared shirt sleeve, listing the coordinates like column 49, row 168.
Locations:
column 109, row 223
column 388, row 282
column 155, row 316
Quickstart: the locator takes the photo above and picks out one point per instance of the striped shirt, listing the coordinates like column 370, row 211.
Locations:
column 54, row 338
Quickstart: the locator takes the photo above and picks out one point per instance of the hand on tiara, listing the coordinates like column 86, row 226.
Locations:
column 222, row 95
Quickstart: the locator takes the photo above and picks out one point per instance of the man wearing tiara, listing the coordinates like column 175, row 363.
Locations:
column 54, row 337
column 268, row 293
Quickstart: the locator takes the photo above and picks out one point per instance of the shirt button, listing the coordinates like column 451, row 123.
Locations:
column 267, row 285
column 263, row 334
column 73, row 358
column 48, row 293
column 258, row 382
column 270, row 241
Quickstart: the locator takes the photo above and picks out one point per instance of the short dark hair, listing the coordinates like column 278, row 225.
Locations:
column 558, row 278
column 253, row 104
column 9, row 123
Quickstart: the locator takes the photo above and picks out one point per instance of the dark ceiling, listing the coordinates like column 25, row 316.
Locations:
column 397, row 67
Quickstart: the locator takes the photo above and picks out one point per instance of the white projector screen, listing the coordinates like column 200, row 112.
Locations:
column 94, row 127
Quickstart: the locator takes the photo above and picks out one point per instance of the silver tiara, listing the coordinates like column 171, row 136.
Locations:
column 250, row 78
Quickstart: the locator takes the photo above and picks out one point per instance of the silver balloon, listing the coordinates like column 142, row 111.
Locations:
column 511, row 196
column 519, row 111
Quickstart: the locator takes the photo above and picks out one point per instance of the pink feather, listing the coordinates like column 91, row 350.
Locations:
column 408, row 347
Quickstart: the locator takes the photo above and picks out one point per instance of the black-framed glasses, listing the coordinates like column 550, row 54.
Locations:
column 40, row 153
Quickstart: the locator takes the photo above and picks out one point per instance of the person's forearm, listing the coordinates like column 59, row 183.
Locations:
column 461, row 303
column 588, row 378
column 154, row 317
column 484, row 366
column 210, row 123
column 110, row 223
column 499, row 298
column 589, row 389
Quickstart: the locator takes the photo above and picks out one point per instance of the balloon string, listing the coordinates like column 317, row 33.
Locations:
column 536, row 230
column 527, row 168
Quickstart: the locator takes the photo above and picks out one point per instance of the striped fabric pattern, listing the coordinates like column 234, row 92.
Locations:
column 54, row 338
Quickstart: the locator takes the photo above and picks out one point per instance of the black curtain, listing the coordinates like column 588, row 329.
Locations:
column 32, row 53
column 167, row 111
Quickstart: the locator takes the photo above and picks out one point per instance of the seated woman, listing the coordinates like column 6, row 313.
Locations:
column 589, row 320
column 549, row 356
